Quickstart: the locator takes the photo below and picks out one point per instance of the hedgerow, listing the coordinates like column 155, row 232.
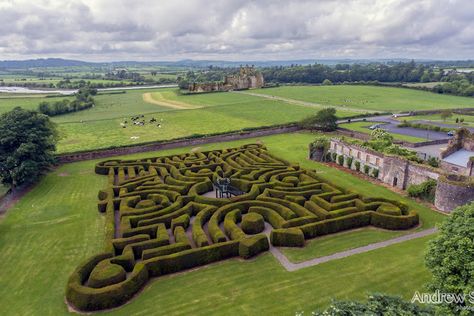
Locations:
column 158, row 220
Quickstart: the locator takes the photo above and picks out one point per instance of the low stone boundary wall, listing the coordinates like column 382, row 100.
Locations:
column 160, row 145
column 354, row 134
column 427, row 143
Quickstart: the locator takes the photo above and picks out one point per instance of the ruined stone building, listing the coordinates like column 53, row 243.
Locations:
column 248, row 78
column 455, row 184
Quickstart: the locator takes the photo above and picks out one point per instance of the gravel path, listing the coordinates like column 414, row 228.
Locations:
column 290, row 266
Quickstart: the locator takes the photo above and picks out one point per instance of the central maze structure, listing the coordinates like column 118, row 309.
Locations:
column 159, row 219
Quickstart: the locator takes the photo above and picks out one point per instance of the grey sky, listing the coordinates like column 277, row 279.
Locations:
column 236, row 30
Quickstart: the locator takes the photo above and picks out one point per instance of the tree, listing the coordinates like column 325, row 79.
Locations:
column 327, row 82
column 324, row 120
column 446, row 114
column 377, row 304
column 450, row 258
column 27, row 144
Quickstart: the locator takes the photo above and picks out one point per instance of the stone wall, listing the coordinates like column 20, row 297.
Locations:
column 160, row 145
column 453, row 191
column 401, row 173
column 393, row 170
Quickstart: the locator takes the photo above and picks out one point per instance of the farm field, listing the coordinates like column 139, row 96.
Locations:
column 178, row 123
column 62, row 210
column 362, row 127
column 372, row 98
column 113, row 106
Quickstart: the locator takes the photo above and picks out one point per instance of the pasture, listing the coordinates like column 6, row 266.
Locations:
column 56, row 226
column 370, row 98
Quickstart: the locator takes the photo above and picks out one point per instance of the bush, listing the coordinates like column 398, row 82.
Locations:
column 191, row 258
column 433, row 162
column 366, row 169
column 334, row 157
column 394, row 222
column 340, row 160
column 106, row 273
column 252, row 223
column 425, row 190
column 287, row 237
column 375, row 173
column 357, row 165
column 252, row 246
column 349, row 162
column 335, row 225
column 90, row 299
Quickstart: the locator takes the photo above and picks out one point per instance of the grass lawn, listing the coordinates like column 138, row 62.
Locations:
column 363, row 127
column 326, row 245
column 373, row 98
column 468, row 119
column 56, row 225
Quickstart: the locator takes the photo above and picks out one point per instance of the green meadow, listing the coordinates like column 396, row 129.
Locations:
column 371, row 98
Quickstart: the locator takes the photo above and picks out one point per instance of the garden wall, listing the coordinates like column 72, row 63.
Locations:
column 160, row 145
column 393, row 170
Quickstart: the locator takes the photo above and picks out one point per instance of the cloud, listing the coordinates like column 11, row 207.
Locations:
column 239, row 29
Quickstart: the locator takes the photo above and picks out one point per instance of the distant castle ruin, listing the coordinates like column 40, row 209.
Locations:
column 248, row 78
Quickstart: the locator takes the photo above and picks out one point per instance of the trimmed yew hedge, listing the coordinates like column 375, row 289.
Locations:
column 155, row 197
column 287, row 237
column 252, row 223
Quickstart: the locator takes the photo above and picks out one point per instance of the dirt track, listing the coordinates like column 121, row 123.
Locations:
column 148, row 97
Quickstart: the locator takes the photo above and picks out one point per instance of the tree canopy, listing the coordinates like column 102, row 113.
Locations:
column 450, row 258
column 27, row 144
column 325, row 120
column 377, row 304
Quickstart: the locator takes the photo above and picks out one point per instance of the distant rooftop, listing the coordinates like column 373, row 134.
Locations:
column 460, row 158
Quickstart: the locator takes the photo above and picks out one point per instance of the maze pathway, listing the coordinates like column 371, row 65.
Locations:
column 161, row 218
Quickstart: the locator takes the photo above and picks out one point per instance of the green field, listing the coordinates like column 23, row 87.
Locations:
column 99, row 127
column 56, row 225
column 363, row 127
column 372, row 98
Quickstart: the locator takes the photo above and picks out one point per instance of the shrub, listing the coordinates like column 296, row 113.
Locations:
column 349, row 162
column 328, row 156
column 252, row 223
column 375, row 173
column 252, row 246
column 182, row 221
column 106, row 273
column 287, row 237
column 357, row 165
column 425, row 190
column 334, row 157
column 340, row 160
column 433, row 162
column 394, row 222
column 366, row 169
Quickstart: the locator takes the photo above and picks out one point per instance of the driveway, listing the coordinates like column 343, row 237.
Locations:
column 391, row 125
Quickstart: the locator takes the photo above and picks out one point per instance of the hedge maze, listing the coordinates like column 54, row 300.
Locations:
column 159, row 220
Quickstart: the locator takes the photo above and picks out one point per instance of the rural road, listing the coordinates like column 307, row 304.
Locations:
column 390, row 124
